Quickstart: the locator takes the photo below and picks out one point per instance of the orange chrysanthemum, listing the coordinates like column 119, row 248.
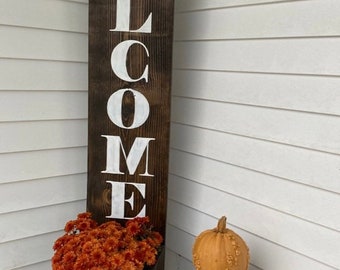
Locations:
column 110, row 246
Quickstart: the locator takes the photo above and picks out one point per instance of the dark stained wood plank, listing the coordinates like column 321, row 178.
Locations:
column 155, row 51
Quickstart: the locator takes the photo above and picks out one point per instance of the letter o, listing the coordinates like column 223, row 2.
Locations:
column 114, row 108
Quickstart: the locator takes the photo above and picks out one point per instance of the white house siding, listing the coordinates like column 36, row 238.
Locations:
column 43, row 126
column 256, row 130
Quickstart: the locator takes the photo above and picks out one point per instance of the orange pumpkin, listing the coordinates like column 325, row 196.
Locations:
column 220, row 249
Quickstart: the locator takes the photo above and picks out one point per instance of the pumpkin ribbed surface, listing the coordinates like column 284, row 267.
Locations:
column 220, row 249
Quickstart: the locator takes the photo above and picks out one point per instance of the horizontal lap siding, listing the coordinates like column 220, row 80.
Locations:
column 51, row 75
column 278, row 56
column 42, row 105
column 43, row 126
column 192, row 5
column 47, row 44
column 57, row 14
column 316, row 94
column 255, row 129
column 42, row 135
column 274, row 20
column 42, row 192
column 270, row 124
column 259, row 188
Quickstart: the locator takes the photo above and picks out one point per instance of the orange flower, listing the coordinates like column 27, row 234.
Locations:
column 110, row 246
column 133, row 228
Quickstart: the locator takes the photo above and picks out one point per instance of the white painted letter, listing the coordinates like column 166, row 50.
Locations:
column 118, row 199
column 114, row 108
column 118, row 61
column 114, row 144
column 123, row 19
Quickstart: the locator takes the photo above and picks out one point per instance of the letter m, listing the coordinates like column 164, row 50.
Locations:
column 132, row 159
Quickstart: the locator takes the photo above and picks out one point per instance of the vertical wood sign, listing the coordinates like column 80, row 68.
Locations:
column 130, row 56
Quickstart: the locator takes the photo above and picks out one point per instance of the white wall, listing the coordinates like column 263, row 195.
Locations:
column 255, row 130
column 43, row 126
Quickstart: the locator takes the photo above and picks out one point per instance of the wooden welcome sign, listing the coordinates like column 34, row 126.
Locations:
column 130, row 56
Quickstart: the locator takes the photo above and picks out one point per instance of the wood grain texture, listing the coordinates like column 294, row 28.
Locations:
column 103, row 83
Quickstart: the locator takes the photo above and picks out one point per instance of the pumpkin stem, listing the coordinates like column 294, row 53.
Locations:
column 222, row 225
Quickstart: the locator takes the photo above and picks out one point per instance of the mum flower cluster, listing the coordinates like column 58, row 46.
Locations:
column 110, row 246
